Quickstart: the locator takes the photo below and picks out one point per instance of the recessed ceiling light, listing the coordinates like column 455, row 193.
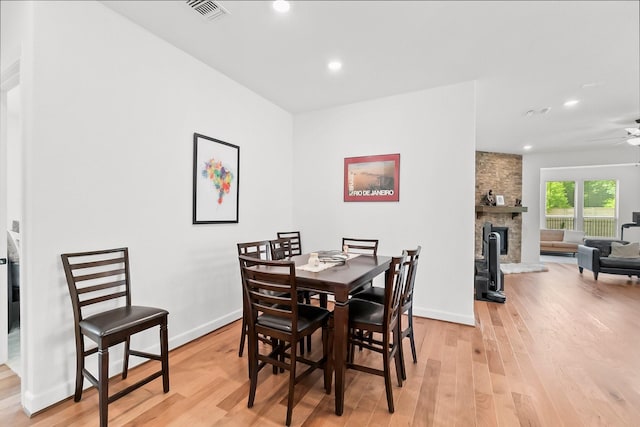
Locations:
column 529, row 113
column 571, row 103
column 527, row 147
column 590, row 84
column 545, row 110
column 281, row 6
column 335, row 65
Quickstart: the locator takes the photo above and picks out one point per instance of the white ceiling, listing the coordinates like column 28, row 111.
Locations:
column 523, row 55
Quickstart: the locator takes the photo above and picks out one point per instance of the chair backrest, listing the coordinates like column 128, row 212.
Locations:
column 411, row 267
column 270, row 288
column 259, row 249
column 393, row 289
column 280, row 249
column 361, row 246
column 97, row 277
column 296, row 241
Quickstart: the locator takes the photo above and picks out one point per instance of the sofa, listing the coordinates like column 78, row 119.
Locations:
column 560, row 241
column 609, row 256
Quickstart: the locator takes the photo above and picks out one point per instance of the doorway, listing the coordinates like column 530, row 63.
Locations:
column 11, row 217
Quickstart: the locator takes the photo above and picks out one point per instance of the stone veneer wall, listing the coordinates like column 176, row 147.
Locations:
column 501, row 173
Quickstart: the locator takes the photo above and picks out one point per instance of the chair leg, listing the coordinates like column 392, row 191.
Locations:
column 411, row 340
column 351, row 348
column 103, row 385
column 397, row 336
column 307, row 300
column 361, row 337
column 387, row 380
column 323, row 300
column 79, row 367
column 305, row 297
column 125, row 360
column 253, row 370
column 164, row 355
column 243, row 335
column 292, row 383
column 396, row 349
column 274, row 346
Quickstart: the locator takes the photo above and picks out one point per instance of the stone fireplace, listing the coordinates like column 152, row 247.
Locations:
column 501, row 173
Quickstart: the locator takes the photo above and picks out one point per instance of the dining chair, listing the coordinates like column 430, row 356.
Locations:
column 296, row 249
column 296, row 241
column 383, row 319
column 282, row 249
column 276, row 318
column 95, row 279
column 376, row 294
column 363, row 247
column 258, row 250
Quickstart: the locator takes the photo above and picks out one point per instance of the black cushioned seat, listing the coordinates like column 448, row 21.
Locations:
column 374, row 293
column 120, row 319
column 307, row 315
column 366, row 311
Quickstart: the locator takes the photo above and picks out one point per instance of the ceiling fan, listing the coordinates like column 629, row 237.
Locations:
column 632, row 137
column 634, row 134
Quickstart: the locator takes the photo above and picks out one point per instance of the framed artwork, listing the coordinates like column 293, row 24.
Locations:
column 216, row 174
column 499, row 200
column 372, row 178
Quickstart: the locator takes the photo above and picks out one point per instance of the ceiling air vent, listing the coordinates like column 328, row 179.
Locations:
column 207, row 9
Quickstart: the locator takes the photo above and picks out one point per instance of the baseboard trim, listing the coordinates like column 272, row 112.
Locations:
column 445, row 316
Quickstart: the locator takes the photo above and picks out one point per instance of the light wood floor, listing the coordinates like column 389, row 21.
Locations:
column 563, row 350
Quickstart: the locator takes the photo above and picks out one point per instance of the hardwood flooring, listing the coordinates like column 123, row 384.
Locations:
column 563, row 350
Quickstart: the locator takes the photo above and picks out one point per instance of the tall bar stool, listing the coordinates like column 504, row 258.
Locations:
column 258, row 250
column 383, row 319
column 376, row 294
column 276, row 318
column 95, row 278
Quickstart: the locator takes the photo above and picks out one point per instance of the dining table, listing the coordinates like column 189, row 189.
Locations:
column 340, row 280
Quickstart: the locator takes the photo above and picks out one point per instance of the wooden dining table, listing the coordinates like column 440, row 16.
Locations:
column 340, row 281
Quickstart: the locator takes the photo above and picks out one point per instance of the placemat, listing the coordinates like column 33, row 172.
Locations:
column 323, row 265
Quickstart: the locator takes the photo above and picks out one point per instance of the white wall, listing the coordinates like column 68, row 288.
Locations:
column 15, row 17
column 109, row 163
column 532, row 190
column 434, row 132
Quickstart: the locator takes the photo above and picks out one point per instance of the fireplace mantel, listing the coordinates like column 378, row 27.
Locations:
column 513, row 210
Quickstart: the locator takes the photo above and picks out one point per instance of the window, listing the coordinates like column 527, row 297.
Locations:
column 599, row 212
column 560, row 205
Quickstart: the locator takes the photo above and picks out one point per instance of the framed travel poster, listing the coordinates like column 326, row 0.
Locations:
column 372, row 178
